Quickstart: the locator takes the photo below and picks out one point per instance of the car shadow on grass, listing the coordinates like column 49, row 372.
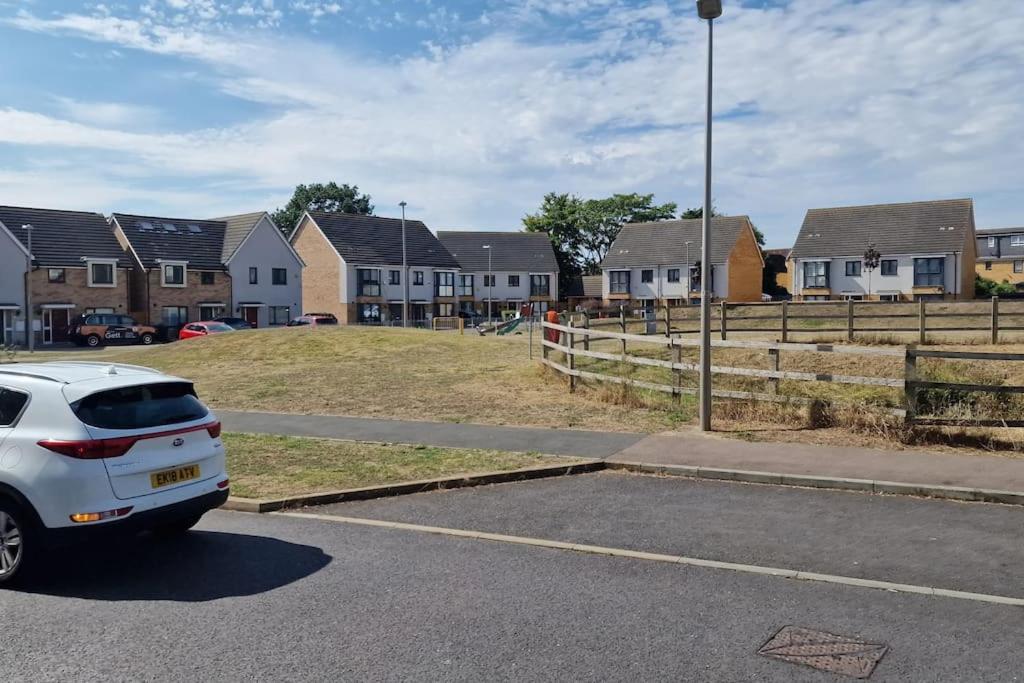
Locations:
column 196, row 567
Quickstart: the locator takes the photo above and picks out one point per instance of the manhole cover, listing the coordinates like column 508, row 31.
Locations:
column 824, row 651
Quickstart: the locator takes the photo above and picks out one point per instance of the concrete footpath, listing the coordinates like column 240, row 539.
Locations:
column 914, row 467
column 444, row 434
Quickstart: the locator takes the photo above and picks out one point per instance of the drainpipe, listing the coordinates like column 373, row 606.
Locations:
column 30, row 336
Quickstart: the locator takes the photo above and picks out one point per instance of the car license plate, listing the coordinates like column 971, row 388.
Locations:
column 175, row 476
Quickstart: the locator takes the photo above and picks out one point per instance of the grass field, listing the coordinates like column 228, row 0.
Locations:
column 387, row 373
column 277, row 466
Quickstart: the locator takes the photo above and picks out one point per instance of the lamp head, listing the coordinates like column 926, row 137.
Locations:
column 709, row 9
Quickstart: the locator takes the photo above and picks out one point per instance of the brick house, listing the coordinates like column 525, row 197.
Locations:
column 927, row 252
column 651, row 264
column 1001, row 255
column 77, row 267
column 354, row 269
column 506, row 268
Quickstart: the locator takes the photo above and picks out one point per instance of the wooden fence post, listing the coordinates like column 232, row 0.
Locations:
column 849, row 320
column 622, row 324
column 922, row 321
column 677, row 373
column 785, row 321
column 543, row 340
column 773, row 364
column 571, row 358
column 586, row 325
column 995, row 320
column 668, row 321
column 724, row 315
column 910, row 386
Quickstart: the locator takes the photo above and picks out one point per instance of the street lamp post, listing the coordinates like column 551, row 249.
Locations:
column 30, row 336
column 405, row 273
column 710, row 10
column 490, row 282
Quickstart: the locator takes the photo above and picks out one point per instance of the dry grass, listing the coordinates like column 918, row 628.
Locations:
column 274, row 466
column 388, row 373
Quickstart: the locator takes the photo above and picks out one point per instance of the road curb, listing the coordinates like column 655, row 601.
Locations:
column 817, row 481
column 402, row 488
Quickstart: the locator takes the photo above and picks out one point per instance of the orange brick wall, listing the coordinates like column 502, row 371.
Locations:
column 321, row 279
column 746, row 268
column 190, row 296
column 76, row 290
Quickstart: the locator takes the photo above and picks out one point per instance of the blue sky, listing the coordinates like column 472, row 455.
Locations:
column 472, row 110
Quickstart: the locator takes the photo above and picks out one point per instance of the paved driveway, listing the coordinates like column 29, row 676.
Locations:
column 281, row 598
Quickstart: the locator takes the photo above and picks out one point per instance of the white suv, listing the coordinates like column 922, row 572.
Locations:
column 93, row 448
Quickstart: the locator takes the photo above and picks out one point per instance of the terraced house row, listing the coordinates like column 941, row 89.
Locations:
column 157, row 270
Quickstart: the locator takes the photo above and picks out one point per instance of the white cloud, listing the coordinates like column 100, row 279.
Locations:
column 840, row 103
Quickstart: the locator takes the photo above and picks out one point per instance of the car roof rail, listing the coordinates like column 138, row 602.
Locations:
column 25, row 373
column 101, row 364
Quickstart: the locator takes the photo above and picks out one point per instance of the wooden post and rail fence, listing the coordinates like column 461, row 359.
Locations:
column 992, row 318
column 575, row 342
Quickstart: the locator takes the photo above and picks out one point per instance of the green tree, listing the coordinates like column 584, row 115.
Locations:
column 582, row 231
column 699, row 213
column 329, row 197
column 983, row 287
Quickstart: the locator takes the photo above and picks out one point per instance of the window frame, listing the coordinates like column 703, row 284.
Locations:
column 207, row 277
column 1018, row 266
column 21, row 411
column 464, row 289
column 673, row 275
column 540, row 284
column 277, row 281
column 254, row 275
column 895, row 270
column 926, row 278
column 855, row 266
column 60, row 280
column 179, row 309
column 271, row 318
column 164, row 265
column 992, row 242
column 647, row 276
column 444, row 281
column 1017, row 240
column 817, row 280
column 514, row 281
column 90, row 264
column 363, row 283
column 619, row 281
column 394, row 277
column 417, row 278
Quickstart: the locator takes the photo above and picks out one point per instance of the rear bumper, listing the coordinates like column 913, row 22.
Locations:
column 139, row 521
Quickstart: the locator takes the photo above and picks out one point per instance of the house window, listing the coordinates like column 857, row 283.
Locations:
column 279, row 276
column 254, row 275
column 646, row 276
column 991, row 242
column 816, row 297
column 210, row 312
column 394, row 277
column 816, row 274
column 173, row 275
column 929, row 272
column 618, row 282
column 513, row 280
column 889, row 267
column 101, row 273
column 1018, row 266
column 673, row 275
column 540, row 285
column 853, row 269
column 280, row 315
column 417, row 277
column 444, row 283
column 465, row 285
column 488, row 280
column 368, row 282
column 1017, row 241
column 369, row 313
column 174, row 316
column 207, row 277
column 988, row 265
column 56, row 275
column 445, row 310
column 853, row 297
column 889, row 297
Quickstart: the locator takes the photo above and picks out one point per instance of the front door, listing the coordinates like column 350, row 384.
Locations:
column 251, row 314
column 6, row 328
column 55, row 325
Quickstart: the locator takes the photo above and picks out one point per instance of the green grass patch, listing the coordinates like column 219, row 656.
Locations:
column 264, row 466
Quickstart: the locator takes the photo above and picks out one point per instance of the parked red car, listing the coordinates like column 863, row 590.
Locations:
column 203, row 328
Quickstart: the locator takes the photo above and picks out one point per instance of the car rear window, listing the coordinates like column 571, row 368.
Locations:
column 141, row 407
column 11, row 404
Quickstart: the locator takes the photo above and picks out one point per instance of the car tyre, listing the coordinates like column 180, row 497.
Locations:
column 92, row 341
column 147, row 339
column 177, row 527
column 15, row 552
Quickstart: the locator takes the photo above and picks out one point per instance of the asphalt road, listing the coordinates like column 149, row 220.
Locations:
column 278, row 598
column 451, row 435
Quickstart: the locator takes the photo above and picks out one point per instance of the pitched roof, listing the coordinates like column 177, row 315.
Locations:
column 589, row 286
column 374, row 240
column 200, row 242
column 236, row 229
column 914, row 228
column 1000, row 231
column 783, row 252
column 510, row 251
column 664, row 242
column 63, row 238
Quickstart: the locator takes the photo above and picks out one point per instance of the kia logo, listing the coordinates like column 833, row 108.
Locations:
column 179, row 441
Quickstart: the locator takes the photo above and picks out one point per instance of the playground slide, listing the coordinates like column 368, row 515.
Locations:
column 510, row 326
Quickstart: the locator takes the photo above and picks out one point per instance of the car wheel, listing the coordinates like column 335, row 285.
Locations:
column 12, row 547
column 177, row 527
column 92, row 341
column 147, row 339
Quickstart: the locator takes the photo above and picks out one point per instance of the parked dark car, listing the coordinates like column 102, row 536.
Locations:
column 235, row 323
column 314, row 319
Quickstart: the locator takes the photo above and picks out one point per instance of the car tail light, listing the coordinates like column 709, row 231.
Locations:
column 223, row 484
column 82, row 517
column 97, row 449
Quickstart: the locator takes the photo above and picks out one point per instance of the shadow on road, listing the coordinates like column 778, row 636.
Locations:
column 197, row 567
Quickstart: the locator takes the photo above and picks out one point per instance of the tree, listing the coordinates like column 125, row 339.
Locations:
column 983, row 287
column 699, row 213
column 871, row 260
column 330, row 197
column 582, row 231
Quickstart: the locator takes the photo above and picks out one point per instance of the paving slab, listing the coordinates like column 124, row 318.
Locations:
column 443, row 434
